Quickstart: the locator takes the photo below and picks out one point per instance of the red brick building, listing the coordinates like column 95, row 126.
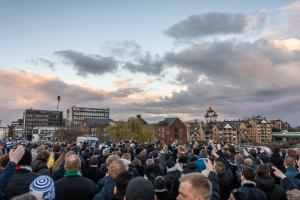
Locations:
column 171, row 130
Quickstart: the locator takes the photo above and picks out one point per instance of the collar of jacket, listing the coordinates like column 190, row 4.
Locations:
column 174, row 168
column 248, row 183
column 26, row 167
column 72, row 173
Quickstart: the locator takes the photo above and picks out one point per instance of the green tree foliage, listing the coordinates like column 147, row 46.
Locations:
column 133, row 129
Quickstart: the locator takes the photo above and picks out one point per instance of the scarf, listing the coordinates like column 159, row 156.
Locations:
column 26, row 167
column 72, row 173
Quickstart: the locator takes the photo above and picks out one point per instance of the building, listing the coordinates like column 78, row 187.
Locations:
column 76, row 115
column 16, row 129
column 171, row 130
column 96, row 127
column 43, row 133
column 3, row 132
column 40, row 118
column 193, row 129
column 261, row 129
column 278, row 125
column 210, row 116
column 208, row 130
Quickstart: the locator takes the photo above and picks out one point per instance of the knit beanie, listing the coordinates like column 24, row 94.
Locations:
column 43, row 187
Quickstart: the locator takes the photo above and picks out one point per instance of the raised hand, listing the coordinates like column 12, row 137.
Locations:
column 15, row 155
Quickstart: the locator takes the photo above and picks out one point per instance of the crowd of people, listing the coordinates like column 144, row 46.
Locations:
column 151, row 171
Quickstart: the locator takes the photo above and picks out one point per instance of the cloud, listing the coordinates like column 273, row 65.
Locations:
column 123, row 49
column 147, row 64
column 238, row 78
column 235, row 63
column 291, row 7
column 88, row 64
column 123, row 82
column 42, row 62
column 291, row 44
column 125, row 92
column 25, row 89
column 209, row 24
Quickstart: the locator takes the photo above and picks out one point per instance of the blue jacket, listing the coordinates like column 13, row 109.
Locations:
column 105, row 187
column 292, row 173
column 5, row 176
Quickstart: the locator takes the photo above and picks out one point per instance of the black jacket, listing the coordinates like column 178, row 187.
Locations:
column 277, row 161
column 226, row 183
column 171, row 174
column 164, row 195
column 94, row 174
column 40, row 167
column 75, row 188
column 19, row 183
column 153, row 171
column 272, row 190
column 252, row 192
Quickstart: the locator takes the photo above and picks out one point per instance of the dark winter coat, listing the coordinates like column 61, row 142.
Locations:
column 19, row 183
column 40, row 167
column 75, row 187
column 272, row 190
column 252, row 192
column 95, row 174
column 171, row 174
column 277, row 161
column 5, row 176
column 164, row 195
column 153, row 171
column 105, row 187
column 226, row 183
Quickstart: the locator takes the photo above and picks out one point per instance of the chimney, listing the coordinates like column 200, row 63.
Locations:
column 139, row 116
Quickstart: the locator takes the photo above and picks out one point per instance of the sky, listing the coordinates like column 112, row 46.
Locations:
column 156, row 58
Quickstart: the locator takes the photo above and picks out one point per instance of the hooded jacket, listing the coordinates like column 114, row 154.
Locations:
column 271, row 189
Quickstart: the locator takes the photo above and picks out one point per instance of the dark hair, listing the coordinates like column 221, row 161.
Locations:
column 43, row 155
column 262, row 170
column 154, row 154
column 4, row 159
column 248, row 173
column 170, row 163
column 56, row 148
column 276, row 149
column 264, row 157
column 94, row 160
column 26, row 159
column 196, row 151
column 121, row 183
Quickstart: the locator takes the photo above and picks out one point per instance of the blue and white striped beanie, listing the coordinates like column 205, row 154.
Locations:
column 43, row 187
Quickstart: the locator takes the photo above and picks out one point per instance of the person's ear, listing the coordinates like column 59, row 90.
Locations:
column 242, row 177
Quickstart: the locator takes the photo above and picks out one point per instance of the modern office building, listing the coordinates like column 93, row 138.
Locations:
column 40, row 118
column 77, row 115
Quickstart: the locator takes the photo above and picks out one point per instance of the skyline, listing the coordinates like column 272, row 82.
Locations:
column 157, row 59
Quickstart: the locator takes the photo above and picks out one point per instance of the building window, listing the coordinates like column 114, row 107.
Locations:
column 176, row 134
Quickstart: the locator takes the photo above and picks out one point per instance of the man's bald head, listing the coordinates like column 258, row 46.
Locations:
column 72, row 162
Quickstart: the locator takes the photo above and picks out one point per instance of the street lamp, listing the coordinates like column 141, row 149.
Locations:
column 58, row 100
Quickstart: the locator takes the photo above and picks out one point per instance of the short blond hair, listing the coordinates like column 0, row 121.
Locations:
column 110, row 159
column 248, row 162
column 293, row 194
column 200, row 184
column 149, row 162
column 115, row 168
